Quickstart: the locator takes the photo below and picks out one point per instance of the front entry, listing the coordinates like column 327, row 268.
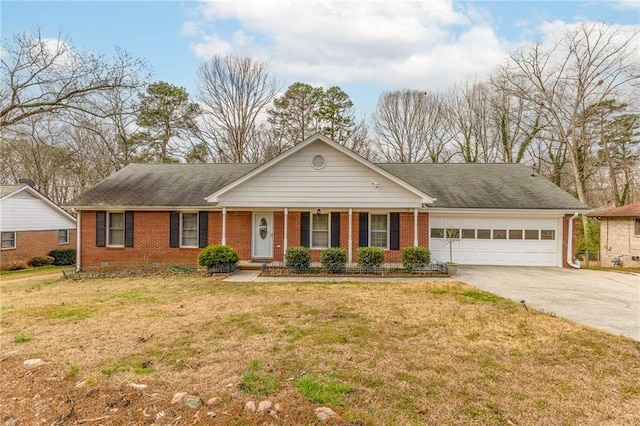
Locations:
column 262, row 235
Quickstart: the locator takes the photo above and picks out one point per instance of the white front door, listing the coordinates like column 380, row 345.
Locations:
column 263, row 235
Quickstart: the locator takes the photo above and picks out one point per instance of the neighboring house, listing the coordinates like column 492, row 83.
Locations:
column 319, row 194
column 32, row 225
column 619, row 235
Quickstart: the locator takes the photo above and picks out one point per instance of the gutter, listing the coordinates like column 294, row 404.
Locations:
column 574, row 264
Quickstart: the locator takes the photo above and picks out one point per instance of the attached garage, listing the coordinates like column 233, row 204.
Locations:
column 496, row 240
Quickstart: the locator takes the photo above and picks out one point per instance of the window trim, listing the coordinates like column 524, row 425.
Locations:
column 15, row 240
column 66, row 241
column 311, row 243
column 388, row 229
column 197, row 230
column 637, row 227
column 108, row 229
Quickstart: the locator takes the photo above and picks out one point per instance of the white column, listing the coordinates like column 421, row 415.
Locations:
column 415, row 227
column 285, row 240
column 350, row 245
column 78, row 242
column 224, row 226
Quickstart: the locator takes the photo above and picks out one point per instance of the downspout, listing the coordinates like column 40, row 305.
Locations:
column 570, row 261
column 78, row 241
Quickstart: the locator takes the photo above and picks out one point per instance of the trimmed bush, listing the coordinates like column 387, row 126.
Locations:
column 219, row 258
column 41, row 261
column 370, row 258
column 298, row 259
column 334, row 259
column 63, row 256
column 415, row 257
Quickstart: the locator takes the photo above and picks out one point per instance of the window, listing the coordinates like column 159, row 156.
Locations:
column 547, row 234
column 63, row 236
column 499, row 234
column 468, row 234
column 379, row 235
column 515, row 234
column 189, row 230
column 437, row 232
column 637, row 226
column 115, row 226
column 8, row 240
column 484, row 234
column 530, row 234
column 320, row 230
column 452, row 233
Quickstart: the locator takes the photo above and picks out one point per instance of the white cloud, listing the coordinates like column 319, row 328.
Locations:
column 626, row 4
column 397, row 44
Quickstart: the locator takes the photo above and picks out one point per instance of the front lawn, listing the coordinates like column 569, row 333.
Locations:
column 375, row 353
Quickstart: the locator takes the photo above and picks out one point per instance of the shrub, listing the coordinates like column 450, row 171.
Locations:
column 16, row 265
column 219, row 258
column 65, row 256
column 370, row 258
column 334, row 259
column 41, row 261
column 298, row 259
column 415, row 257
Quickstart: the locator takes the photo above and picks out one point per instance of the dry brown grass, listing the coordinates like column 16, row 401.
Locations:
column 414, row 353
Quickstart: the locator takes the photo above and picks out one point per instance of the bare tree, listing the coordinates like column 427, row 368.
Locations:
column 587, row 66
column 234, row 91
column 408, row 127
column 47, row 76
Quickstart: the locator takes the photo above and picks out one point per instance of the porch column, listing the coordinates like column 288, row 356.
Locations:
column 350, row 244
column 224, row 226
column 285, row 240
column 415, row 227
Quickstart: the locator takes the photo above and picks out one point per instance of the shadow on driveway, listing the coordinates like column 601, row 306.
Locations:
column 606, row 300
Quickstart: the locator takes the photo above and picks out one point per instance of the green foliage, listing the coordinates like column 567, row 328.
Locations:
column 259, row 384
column 144, row 367
column 74, row 370
column 334, row 259
column 21, row 338
column 591, row 242
column 65, row 256
column 112, row 369
column 415, row 257
column 322, row 391
column 41, row 261
column 298, row 258
column 370, row 258
column 219, row 258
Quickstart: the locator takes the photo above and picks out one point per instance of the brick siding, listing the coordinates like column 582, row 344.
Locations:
column 34, row 243
column 617, row 238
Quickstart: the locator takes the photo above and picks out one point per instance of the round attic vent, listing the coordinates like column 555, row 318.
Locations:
column 318, row 162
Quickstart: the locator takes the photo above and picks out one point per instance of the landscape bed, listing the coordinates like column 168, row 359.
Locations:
column 375, row 353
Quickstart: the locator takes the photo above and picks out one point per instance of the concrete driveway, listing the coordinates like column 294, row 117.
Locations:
column 606, row 300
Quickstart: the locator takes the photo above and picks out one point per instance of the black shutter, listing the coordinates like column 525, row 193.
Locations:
column 203, row 229
column 101, row 229
column 335, row 229
column 304, row 229
column 364, row 230
column 394, row 237
column 128, row 229
column 174, row 229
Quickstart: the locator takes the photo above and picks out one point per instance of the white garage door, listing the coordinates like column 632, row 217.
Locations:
column 495, row 241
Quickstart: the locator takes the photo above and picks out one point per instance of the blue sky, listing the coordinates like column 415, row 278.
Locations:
column 364, row 47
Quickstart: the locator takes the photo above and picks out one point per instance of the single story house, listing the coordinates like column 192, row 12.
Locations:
column 619, row 235
column 32, row 225
column 319, row 194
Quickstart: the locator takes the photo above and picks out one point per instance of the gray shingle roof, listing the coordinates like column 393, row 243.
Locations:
column 156, row 185
column 484, row 186
column 479, row 186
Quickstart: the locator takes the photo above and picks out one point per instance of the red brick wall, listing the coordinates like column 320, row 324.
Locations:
column 34, row 243
column 151, row 238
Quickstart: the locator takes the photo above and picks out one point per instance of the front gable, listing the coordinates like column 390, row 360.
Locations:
column 320, row 173
column 25, row 209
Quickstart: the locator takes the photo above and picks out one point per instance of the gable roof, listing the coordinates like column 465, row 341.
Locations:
column 8, row 191
column 630, row 210
column 485, row 186
column 319, row 137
